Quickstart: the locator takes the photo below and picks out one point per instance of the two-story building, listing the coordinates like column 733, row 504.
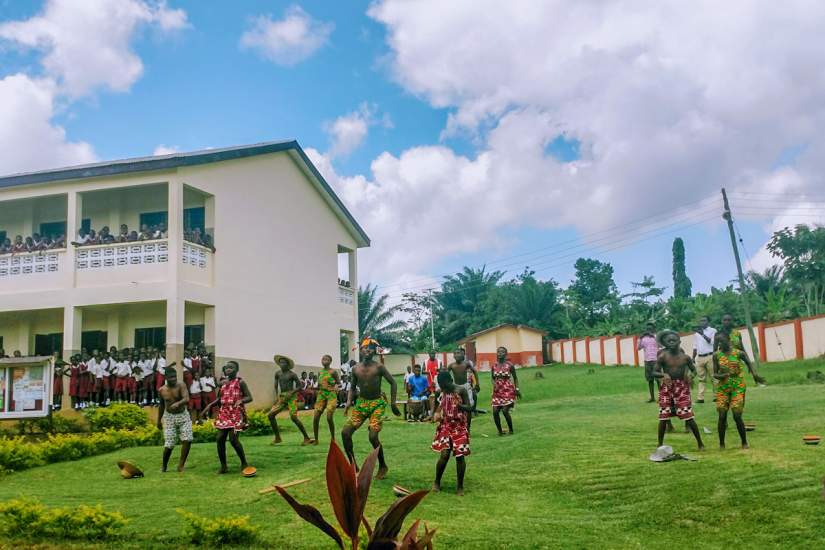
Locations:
column 281, row 278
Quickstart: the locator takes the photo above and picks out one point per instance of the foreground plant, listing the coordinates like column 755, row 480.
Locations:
column 348, row 493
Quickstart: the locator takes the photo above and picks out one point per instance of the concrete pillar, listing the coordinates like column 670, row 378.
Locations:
column 175, row 318
column 587, row 349
column 72, row 331
column 209, row 328
column 353, row 279
column 175, row 232
column 209, row 218
column 74, row 217
column 24, row 337
column 113, row 329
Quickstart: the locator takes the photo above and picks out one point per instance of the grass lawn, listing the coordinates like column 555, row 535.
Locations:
column 575, row 475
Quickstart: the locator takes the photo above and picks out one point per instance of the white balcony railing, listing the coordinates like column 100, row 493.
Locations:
column 346, row 295
column 120, row 255
column 196, row 255
column 29, row 263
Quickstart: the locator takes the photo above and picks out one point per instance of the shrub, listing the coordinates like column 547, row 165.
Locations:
column 219, row 531
column 204, row 433
column 28, row 518
column 18, row 454
column 258, row 423
column 120, row 416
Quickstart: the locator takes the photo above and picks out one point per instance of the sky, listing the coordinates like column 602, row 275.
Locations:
column 508, row 134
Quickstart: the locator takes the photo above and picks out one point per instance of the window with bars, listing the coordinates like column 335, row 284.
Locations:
column 154, row 337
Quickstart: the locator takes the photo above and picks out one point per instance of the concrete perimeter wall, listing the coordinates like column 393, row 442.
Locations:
column 797, row 339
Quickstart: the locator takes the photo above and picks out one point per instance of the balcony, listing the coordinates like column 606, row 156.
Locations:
column 197, row 263
column 106, row 264
column 346, row 295
column 32, row 270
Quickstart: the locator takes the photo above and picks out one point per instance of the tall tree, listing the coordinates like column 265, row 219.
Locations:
column 528, row 301
column 802, row 251
column 682, row 287
column 461, row 301
column 593, row 291
column 377, row 319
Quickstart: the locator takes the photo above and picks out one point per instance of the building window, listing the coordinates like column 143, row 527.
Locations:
column 194, row 218
column 150, row 337
column 47, row 344
column 2, row 236
column 193, row 334
column 91, row 340
column 153, row 219
column 53, row 229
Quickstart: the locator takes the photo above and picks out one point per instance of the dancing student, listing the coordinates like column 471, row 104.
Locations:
column 327, row 399
column 733, row 334
column 730, row 393
column 231, row 420
column 672, row 367
column 173, row 418
column 287, row 385
column 370, row 404
column 452, row 433
column 505, row 390
column 463, row 372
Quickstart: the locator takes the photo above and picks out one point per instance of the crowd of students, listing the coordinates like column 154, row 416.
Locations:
column 35, row 243
column 308, row 394
column 105, row 236
column 131, row 375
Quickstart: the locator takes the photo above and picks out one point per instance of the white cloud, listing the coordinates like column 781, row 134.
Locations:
column 28, row 138
column 87, row 44
column 165, row 150
column 349, row 131
column 287, row 41
column 670, row 102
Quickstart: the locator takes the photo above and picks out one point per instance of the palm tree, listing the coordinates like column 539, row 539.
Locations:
column 460, row 297
column 377, row 319
column 770, row 279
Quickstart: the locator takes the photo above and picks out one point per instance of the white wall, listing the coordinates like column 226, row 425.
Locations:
column 813, row 337
column 276, row 269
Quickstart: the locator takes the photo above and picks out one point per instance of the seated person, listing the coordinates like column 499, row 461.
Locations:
column 59, row 242
column 419, row 393
column 144, row 234
column 123, row 236
column 82, row 238
column 132, row 237
column 6, row 246
column 93, row 238
column 19, row 245
column 37, row 242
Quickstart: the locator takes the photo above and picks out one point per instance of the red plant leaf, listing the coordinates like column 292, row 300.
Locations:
column 366, row 526
column 311, row 515
column 411, row 534
column 383, row 544
column 364, row 480
column 388, row 525
column 427, row 540
column 343, row 492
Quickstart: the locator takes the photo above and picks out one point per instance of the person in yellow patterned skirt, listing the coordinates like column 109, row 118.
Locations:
column 327, row 399
column 371, row 403
column 730, row 393
column 287, row 385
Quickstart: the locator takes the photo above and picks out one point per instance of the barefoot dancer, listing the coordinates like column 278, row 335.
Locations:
column 231, row 420
column 371, row 403
column 462, row 372
column 173, row 418
column 452, row 433
column 327, row 399
column 730, row 394
column 287, row 385
column 672, row 367
column 505, row 389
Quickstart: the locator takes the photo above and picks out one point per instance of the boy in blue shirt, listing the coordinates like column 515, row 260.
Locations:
column 419, row 392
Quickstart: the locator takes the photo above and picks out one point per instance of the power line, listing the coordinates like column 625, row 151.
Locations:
column 664, row 216
column 616, row 244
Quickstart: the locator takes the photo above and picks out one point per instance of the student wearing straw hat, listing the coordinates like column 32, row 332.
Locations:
column 287, row 385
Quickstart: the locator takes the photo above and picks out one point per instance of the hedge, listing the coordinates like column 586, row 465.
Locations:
column 29, row 519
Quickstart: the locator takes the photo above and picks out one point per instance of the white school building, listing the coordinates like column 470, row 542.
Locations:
column 285, row 248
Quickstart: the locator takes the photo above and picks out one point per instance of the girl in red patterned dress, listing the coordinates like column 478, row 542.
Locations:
column 231, row 420
column 451, row 433
column 505, row 389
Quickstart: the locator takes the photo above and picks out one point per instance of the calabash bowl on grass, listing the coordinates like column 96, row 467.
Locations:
column 249, row 471
column 811, row 439
column 750, row 426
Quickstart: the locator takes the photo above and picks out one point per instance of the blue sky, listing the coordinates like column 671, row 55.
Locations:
column 199, row 88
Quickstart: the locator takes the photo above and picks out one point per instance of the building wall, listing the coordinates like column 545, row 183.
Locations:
column 276, row 266
column 595, row 351
column 813, row 337
column 18, row 329
column 780, row 342
column 23, row 217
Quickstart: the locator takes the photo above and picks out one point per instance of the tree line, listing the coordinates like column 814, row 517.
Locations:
column 591, row 305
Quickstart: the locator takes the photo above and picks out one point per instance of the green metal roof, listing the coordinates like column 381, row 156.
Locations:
column 194, row 158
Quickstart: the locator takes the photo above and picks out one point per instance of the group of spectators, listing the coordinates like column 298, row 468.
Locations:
column 35, row 243
column 344, row 283
column 105, row 236
column 308, row 393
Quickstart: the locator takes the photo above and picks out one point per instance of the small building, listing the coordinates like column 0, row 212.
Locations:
column 277, row 273
column 523, row 343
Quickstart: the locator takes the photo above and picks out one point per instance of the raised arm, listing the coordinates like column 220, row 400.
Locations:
column 214, row 403
column 393, row 389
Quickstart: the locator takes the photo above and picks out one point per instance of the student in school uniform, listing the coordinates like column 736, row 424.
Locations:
column 148, row 383
column 102, row 380
column 208, row 385
column 187, row 368
column 60, row 370
column 135, row 380
column 160, row 368
column 91, row 377
column 195, row 397
column 74, row 381
column 123, row 371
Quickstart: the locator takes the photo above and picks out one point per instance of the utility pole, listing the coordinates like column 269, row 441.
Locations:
column 742, row 288
column 432, row 325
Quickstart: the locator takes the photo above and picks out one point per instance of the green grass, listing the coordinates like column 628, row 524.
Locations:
column 575, row 475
